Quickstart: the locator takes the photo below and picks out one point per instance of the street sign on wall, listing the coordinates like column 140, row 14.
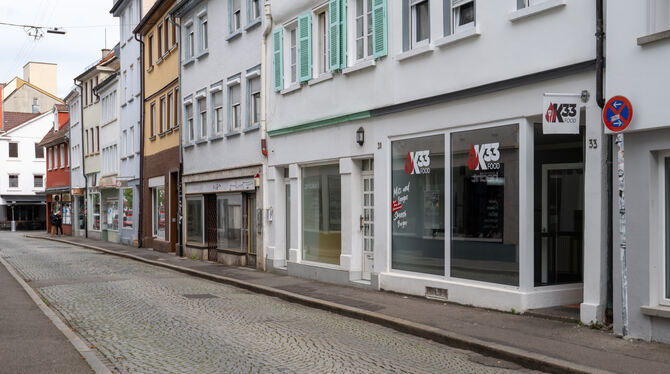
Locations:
column 560, row 113
column 617, row 113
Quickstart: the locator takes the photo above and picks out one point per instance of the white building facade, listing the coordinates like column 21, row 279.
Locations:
column 406, row 150
column 638, row 48
column 23, row 172
column 77, row 179
column 222, row 156
column 130, row 89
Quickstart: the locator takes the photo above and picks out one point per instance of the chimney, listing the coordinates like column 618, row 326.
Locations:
column 43, row 75
column 105, row 52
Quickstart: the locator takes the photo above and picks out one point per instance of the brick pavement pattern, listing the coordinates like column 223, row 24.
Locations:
column 151, row 320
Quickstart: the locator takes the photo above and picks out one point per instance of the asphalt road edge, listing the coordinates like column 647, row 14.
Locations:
column 527, row 359
column 84, row 350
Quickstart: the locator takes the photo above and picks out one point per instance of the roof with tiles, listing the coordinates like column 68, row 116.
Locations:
column 56, row 137
column 13, row 119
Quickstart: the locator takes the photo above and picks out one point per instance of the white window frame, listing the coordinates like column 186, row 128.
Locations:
column 168, row 111
column 414, row 43
column 190, row 130
column 234, row 116
column 152, row 119
column 254, row 10
column 34, row 179
column 661, row 236
column 367, row 30
column 217, row 111
column 162, row 104
column 656, row 15
column 456, row 6
column 203, row 33
column 202, row 117
column 322, row 41
column 290, row 62
column 61, row 160
column 9, row 183
column 251, row 104
column 235, row 16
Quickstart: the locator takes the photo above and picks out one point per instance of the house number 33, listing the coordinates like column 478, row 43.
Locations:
column 593, row 143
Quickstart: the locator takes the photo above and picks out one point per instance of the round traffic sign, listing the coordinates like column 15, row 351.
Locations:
column 617, row 113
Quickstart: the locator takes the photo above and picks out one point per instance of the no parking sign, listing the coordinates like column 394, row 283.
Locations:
column 617, row 113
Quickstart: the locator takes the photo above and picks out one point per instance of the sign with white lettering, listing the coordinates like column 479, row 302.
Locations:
column 223, row 185
column 560, row 113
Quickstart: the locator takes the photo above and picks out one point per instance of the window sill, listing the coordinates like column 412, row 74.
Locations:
column 162, row 134
column 196, row 245
column 360, row 65
column 233, row 35
column 200, row 141
column 232, row 133
column 188, row 145
column 188, row 62
column 647, row 39
column 152, row 138
column 321, row 78
column 453, row 38
column 216, row 137
column 124, row 105
column 253, row 24
column 292, row 88
column 414, row 52
column 535, row 9
column 202, row 54
column 656, row 311
column 131, row 99
column 150, row 69
column 159, row 60
column 251, row 128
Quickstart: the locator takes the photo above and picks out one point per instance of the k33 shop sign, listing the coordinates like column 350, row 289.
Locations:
column 560, row 113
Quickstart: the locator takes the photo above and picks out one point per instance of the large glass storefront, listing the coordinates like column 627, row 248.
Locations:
column 485, row 205
column 127, row 208
column 417, row 207
column 194, row 220
column 94, row 203
column 321, row 214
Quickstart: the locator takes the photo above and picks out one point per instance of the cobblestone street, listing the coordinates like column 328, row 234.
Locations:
column 150, row 320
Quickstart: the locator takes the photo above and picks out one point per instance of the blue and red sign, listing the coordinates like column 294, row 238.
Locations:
column 618, row 113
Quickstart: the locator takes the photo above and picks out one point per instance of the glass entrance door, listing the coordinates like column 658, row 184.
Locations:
column 368, row 217
column 562, row 223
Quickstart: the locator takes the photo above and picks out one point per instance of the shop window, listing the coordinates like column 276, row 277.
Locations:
column 559, row 207
column 82, row 213
column 95, row 210
column 321, row 214
column 13, row 150
column 67, row 210
column 158, row 212
column 418, row 205
column 485, row 205
column 111, row 214
column 229, row 222
column 194, row 219
column 127, row 208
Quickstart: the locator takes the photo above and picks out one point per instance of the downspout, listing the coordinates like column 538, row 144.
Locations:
column 83, row 164
column 139, row 223
column 600, row 100
column 267, row 12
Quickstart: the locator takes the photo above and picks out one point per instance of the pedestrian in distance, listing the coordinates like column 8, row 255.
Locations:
column 59, row 223
column 53, row 219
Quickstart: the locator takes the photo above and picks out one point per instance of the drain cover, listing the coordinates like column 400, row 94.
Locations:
column 199, row 296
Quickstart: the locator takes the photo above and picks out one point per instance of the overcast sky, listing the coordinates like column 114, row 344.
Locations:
column 85, row 22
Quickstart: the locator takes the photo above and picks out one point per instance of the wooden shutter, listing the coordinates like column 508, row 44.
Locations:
column 278, row 58
column 305, row 47
column 334, row 21
column 379, row 29
column 343, row 34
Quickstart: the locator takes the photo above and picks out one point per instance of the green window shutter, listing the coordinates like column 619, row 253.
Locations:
column 305, row 47
column 379, row 29
column 343, row 34
column 334, row 16
column 278, row 58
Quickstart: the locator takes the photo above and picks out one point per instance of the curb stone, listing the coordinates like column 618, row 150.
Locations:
column 527, row 359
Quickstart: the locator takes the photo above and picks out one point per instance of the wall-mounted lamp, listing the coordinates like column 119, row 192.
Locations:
column 360, row 136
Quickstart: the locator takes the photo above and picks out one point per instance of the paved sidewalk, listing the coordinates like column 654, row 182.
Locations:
column 547, row 345
column 29, row 341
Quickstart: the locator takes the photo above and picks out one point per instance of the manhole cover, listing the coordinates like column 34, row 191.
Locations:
column 199, row 296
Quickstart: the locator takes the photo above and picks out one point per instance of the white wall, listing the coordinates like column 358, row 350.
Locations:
column 638, row 72
column 26, row 165
column 504, row 49
column 76, row 147
column 225, row 59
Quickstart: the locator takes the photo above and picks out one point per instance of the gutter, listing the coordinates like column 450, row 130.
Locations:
column 140, row 213
column 267, row 27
